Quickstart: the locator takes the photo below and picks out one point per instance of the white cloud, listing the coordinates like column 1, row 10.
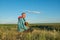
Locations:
column 37, row 12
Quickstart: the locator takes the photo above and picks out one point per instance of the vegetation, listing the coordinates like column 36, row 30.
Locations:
column 40, row 32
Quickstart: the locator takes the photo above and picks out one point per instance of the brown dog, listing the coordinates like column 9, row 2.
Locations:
column 29, row 28
column 26, row 24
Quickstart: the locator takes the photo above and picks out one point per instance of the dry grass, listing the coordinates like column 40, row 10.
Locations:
column 11, row 33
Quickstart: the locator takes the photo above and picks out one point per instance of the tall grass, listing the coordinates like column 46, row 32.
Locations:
column 9, row 32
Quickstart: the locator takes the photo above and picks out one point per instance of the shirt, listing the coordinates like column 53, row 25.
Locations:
column 21, row 24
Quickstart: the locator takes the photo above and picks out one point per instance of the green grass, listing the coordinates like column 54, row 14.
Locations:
column 9, row 32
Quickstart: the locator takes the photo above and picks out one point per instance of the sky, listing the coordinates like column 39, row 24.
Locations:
column 37, row 11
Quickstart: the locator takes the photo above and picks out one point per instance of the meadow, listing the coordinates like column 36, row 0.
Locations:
column 46, row 31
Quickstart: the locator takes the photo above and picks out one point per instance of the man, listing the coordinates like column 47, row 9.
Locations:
column 22, row 23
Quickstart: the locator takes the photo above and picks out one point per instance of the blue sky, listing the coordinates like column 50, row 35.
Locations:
column 49, row 11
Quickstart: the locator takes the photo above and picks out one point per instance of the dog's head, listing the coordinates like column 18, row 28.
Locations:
column 26, row 23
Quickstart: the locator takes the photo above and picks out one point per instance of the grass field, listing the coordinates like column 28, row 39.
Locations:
column 47, row 31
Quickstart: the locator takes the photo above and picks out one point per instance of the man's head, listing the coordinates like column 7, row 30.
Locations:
column 23, row 15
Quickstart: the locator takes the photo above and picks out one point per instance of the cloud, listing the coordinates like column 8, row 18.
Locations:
column 37, row 12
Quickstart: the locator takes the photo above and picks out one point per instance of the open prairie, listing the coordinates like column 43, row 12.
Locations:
column 47, row 31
